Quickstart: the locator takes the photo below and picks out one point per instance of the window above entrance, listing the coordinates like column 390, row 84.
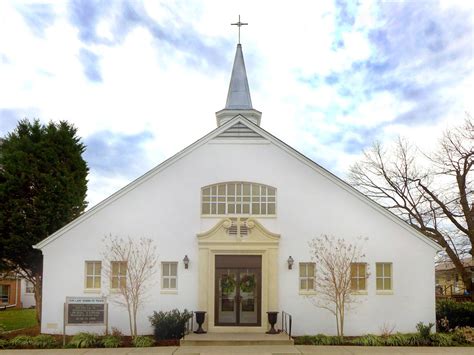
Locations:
column 238, row 198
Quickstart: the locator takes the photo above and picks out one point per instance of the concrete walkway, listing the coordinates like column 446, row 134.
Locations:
column 256, row 350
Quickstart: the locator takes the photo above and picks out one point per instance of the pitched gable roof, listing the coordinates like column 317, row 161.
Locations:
column 238, row 124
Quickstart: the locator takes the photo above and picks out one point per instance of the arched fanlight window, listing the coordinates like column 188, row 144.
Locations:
column 238, row 198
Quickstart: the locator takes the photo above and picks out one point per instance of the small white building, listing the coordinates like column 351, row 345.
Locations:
column 239, row 202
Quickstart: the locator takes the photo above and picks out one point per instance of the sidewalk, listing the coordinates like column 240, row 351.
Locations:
column 256, row 350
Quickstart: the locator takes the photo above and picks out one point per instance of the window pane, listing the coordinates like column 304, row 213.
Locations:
column 90, row 268
column 173, row 283
column 263, row 209
column 231, row 189
column 230, row 208
column 246, row 208
column 206, row 191
column 379, row 284
column 206, row 208
column 255, row 189
column 238, row 209
column 362, row 268
column 302, row 270
column 271, row 208
column 361, row 284
column 213, row 209
column 221, row 208
column 387, row 284
column 354, row 284
column 114, row 268
column 123, row 282
column 239, row 189
column 174, row 269
column 89, row 282
column 214, row 190
column 123, row 269
column 166, row 283
column 255, row 208
column 114, row 282
column 221, row 189
column 98, row 268
column 311, row 270
column 246, row 190
column 379, row 268
column 387, row 269
column 303, row 284
column 264, row 190
column 271, row 191
column 97, row 282
column 310, row 284
column 353, row 270
column 166, row 269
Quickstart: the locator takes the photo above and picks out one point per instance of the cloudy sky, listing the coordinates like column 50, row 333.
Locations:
column 142, row 79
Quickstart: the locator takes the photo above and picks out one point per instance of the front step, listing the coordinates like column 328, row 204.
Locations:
column 235, row 339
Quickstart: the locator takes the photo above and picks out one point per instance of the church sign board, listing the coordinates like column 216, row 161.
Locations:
column 86, row 310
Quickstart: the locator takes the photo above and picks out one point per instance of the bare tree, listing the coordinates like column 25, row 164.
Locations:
column 433, row 193
column 334, row 258
column 129, row 265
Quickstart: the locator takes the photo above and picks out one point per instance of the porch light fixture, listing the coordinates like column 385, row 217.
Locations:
column 186, row 262
column 290, row 263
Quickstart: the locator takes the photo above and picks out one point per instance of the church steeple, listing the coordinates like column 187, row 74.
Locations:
column 238, row 98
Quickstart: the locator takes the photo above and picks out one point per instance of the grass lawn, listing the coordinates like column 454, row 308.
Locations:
column 18, row 319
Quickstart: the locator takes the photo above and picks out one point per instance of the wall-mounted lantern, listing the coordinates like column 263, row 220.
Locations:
column 290, row 263
column 186, row 262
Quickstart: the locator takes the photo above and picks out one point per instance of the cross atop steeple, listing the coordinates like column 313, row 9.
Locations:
column 239, row 24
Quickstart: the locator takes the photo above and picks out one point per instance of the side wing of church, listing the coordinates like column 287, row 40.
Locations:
column 238, row 204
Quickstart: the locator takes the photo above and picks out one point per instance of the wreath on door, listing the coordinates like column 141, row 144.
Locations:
column 227, row 284
column 247, row 283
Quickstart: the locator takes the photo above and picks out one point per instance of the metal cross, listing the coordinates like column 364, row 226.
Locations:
column 239, row 24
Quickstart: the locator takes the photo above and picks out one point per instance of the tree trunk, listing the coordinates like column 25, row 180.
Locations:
column 38, row 296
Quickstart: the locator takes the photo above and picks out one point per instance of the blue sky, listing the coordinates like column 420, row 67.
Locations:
column 142, row 80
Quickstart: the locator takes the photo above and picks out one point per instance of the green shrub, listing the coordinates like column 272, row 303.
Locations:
column 414, row 339
column 141, row 341
column 21, row 342
column 441, row 339
column 368, row 340
column 169, row 325
column 398, row 339
column 303, row 340
column 424, row 330
column 463, row 335
column 84, row 340
column 458, row 314
column 4, row 344
column 111, row 341
column 319, row 339
column 44, row 341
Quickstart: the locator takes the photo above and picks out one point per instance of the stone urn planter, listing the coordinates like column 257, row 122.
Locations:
column 272, row 319
column 200, row 316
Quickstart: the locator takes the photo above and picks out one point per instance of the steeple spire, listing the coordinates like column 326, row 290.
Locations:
column 238, row 97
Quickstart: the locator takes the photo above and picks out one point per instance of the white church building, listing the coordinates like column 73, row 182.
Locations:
column 239, row 203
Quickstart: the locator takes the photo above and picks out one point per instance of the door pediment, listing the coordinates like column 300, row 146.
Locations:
column 238, row 230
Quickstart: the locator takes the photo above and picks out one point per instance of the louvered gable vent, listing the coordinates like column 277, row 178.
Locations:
column 239, row 131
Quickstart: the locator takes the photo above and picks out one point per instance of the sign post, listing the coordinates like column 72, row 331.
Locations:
column 85, row 311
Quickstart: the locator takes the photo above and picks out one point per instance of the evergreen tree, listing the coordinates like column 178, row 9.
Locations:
column 43, row 184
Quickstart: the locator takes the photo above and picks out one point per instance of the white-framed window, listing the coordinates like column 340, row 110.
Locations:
column 307, row 277
column 383, row 276
column 29, row 287
column 358, row 276
column 93, row 277
column 119, row 274
column 238, row 198
column 169, row 275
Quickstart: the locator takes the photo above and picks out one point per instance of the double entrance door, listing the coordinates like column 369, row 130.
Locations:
column 238, row 290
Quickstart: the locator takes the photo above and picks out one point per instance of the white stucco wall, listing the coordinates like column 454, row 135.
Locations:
column 167, row 208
